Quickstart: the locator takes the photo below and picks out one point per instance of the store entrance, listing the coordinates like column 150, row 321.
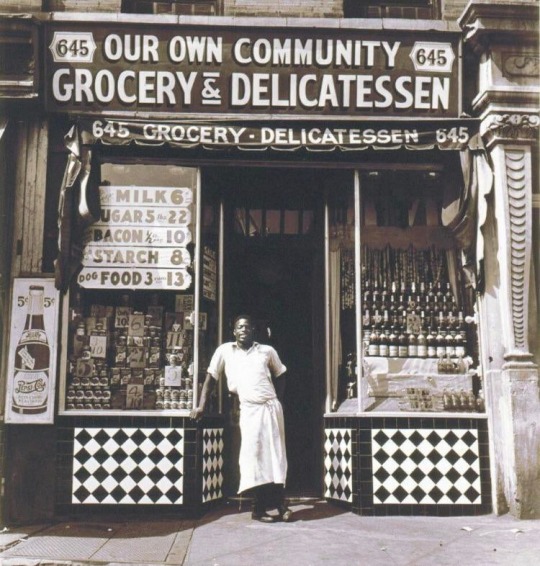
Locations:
column 274, row 258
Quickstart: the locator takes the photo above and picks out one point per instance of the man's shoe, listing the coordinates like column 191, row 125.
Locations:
column 285, row 514
column 263, row 517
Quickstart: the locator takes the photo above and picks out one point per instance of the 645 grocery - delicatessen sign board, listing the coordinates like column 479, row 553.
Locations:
column 202, row 70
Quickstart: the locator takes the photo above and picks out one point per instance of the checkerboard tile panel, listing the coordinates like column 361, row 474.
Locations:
column 338, row 464
column 426, row 466
column 212, row 464
column 128, row 466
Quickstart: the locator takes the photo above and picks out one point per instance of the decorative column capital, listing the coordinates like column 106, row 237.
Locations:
column 510, row 127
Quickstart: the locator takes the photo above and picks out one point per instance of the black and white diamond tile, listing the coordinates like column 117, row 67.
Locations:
column 212, row 464
column 426, row 466
column 338, row 464
column 128, row 466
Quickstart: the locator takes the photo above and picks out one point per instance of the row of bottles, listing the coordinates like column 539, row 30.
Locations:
column 404, row 268
column 398, row 343
column 431, row 298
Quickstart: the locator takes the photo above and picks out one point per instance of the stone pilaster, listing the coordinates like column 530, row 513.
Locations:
column 504, row 36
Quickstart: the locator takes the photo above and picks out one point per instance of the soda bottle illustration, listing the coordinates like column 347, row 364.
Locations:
column 32, row 357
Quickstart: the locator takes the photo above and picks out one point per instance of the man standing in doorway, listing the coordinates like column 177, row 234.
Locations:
column 253, row 372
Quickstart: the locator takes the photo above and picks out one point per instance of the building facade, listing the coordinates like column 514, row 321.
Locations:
column 361, row 177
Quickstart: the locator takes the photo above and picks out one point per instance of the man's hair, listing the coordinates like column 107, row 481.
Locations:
column 242, row 316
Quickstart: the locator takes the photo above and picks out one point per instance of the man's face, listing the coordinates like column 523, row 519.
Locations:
column 243, row 332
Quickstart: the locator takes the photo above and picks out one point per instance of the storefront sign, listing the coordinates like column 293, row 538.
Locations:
column 31, row 371
column 287, row 71
column 209, row 274
column 134, row 278
column 291, row 135
column 96, row 255
column 139, row 240
column 105, row 235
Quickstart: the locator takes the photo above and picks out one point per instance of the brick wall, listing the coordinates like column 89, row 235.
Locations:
column 290, row 8
column 20, row 6
column 452, row 9
column 82, row 5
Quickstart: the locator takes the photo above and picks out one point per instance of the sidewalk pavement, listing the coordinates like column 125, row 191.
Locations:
column 319, row 534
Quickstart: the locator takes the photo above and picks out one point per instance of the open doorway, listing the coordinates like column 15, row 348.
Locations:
column 274, row 271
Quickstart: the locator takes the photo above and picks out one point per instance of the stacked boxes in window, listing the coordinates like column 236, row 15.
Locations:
column 88, row 381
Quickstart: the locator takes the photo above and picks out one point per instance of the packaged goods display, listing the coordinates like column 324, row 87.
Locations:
column 125, row 357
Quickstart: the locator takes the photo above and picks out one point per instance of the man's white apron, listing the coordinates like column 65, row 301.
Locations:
column 262, row 452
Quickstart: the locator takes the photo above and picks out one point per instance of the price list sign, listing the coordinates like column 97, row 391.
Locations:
column 139, row 241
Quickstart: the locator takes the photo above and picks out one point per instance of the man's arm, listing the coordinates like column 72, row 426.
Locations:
column 279, row 386
column 207, row 387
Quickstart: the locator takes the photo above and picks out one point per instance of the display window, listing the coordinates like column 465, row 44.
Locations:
column 141, row 308
column 401, row 327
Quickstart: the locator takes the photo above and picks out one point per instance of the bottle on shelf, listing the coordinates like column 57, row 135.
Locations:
column 440, row 343
column 403, row 346
column 393, row 350
column 412, row 346
column 376, row 297
column 430, row 300
column 422, row 349
column 385, row 298
column 480, row 403
column 439, row 296
column 441, row 321
column 431, row 344
column 450, row 299
column 386, row 320
column 450, row 344
column 460, row 324
column 373, row 348
column 366, row 320
column 383, row 343
column 459, row 344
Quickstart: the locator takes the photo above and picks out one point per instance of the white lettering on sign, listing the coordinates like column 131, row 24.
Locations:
column 261, row 136
column 195, row 49
column 178, row 69
column 145, row 196
column 132, row 48
column 155, row 237
column 314, row 52
column 96, row 255
column 145, row 216
column 134, row 278
column 147, row 87
column 261, row 90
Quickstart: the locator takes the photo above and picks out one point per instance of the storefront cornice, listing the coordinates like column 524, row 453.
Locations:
column 519, row 96
column 257, row 118
column 485, row 22
column 359, row 24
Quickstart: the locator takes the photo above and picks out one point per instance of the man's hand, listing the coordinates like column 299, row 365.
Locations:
column 196, row 413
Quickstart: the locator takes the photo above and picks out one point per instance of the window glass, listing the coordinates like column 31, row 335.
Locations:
column 131, row 325
column 418, row 350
